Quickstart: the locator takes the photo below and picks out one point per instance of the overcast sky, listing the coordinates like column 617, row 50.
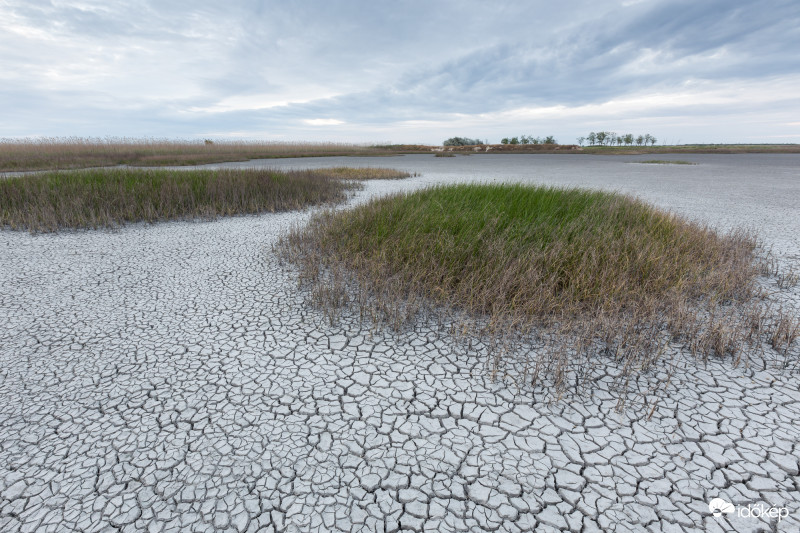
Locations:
column 401, row 71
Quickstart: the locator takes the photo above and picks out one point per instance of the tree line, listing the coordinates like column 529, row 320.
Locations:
column 595, row 138
column 529, row 139
column 522, row 139
column 610, row 138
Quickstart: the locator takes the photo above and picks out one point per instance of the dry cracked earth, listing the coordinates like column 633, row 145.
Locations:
column 173, row 378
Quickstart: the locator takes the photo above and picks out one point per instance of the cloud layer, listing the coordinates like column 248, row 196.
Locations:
column 412, row 71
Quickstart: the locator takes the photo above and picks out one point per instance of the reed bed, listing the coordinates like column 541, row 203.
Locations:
column 571, row 274
column 77, row 152
column 109, row 197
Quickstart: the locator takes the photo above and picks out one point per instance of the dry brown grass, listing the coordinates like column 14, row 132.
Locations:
column 572, row 275
column 77, row 152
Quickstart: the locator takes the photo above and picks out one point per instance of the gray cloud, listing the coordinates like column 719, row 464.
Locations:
column 147, row 68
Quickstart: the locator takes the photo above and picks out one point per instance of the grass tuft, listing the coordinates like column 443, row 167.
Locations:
column 665, row 162
column 574, row 273
column 109, row 197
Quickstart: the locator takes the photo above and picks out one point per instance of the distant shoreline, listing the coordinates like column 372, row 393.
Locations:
column 625, row 150
column 57, row 154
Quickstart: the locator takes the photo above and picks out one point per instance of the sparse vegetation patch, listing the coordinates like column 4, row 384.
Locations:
column 363, row 173
column 572, row 274
column 665, row 162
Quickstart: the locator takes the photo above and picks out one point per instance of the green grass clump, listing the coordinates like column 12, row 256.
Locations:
column 110, row 197
column 591, row 271
column 497, row 245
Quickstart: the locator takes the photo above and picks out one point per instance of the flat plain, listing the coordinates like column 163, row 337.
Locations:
column 172, row 377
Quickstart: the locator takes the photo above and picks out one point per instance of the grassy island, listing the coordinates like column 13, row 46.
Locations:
column 575, row 272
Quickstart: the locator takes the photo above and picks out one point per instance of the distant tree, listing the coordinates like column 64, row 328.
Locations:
column 601, row 137
column 639, row 140
column 629, row 139
column 524, row 139
column 592, row 138
column 504, row 140
column 514, row 140
column 461, row 141
column 620, row 140
column 653, row 140
column 550, row 140
column 581, row 140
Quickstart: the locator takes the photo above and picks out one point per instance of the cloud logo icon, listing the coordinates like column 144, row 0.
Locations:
column 718, row 507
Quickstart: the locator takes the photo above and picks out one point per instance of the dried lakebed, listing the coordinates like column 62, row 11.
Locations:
column 172, row 378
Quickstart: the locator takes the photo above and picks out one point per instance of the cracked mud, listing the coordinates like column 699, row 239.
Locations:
column 173, row 378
